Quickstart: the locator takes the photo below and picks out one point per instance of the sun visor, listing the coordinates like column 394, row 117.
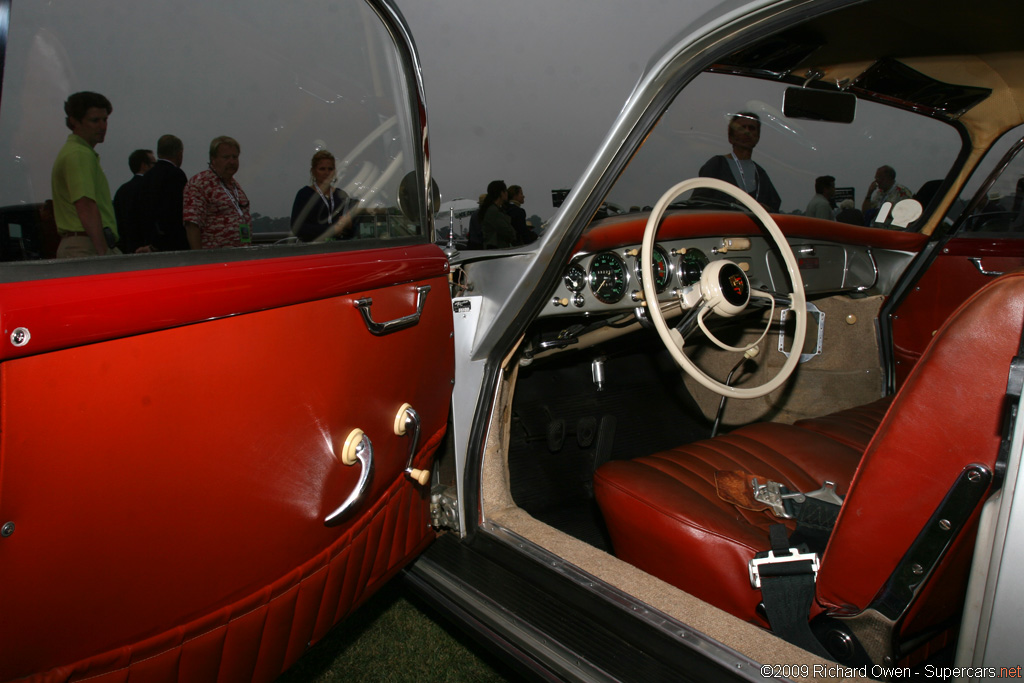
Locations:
column 891, row 79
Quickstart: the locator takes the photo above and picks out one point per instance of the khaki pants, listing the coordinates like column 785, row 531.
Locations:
column 78, row 246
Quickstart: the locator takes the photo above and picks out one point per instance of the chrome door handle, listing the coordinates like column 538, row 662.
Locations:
column 981, row 269
column 357, row 448
column 397, row 324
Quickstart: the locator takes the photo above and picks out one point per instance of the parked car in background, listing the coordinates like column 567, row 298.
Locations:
column 699, row 442
column 453, row 217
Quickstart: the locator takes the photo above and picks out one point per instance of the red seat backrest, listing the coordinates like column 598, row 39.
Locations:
column 946, row 416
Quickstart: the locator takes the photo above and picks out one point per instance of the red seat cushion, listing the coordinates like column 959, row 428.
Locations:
column 661, row 507
column 854, row 426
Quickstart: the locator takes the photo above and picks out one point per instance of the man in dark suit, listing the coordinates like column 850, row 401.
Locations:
column 163, row 187
column 128, row 208
column 515, row 211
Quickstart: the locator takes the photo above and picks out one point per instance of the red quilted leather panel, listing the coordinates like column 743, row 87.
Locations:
column 260, row 636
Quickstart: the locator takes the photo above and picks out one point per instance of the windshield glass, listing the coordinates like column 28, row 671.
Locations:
column 693, row 138
column 280, row 87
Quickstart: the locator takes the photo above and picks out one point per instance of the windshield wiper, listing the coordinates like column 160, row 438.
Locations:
column 708, row 202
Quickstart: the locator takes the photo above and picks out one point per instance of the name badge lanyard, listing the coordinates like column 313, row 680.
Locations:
column 244, row 234
column 743, row 177
column 233, row 196
column 327, row 200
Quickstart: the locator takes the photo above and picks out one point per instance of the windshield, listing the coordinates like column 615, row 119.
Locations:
column 693, row 138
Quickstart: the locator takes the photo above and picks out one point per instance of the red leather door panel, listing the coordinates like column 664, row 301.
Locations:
column 947, row 283
column 169, row 461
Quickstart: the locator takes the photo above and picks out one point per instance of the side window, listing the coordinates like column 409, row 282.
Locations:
column 999, row 210
column 230, row 125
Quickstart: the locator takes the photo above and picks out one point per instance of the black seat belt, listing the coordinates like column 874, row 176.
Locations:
column 786, row 577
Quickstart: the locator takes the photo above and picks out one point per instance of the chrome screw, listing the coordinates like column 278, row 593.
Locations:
column 20, row 336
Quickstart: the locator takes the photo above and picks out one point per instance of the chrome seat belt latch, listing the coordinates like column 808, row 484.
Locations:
column 774, row 495
column 755, row 564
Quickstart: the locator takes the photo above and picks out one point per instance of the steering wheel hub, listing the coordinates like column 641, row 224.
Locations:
column 725, row 288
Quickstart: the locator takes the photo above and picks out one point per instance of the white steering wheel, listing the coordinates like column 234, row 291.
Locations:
column 723, row 289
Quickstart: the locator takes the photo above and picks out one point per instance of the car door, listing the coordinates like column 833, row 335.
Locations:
column 207, row 459
column 986, row 227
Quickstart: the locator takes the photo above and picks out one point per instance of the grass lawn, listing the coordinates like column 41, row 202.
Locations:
column 393, row 637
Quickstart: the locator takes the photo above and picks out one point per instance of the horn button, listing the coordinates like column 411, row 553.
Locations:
column 725, row 288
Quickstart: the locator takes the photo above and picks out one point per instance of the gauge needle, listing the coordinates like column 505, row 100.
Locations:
column 603, row 283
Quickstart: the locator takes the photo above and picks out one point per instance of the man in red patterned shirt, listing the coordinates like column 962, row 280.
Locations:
column 216, row 210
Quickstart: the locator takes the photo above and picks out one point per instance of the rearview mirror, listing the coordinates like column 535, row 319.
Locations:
column 819, row 105
column 409, row 196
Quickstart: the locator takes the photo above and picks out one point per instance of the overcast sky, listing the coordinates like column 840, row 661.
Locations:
column 525, row 91
column 522, row 92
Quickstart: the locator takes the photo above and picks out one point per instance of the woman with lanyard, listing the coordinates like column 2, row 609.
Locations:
column 215, row 208
column 319, row 208
column 738, row 168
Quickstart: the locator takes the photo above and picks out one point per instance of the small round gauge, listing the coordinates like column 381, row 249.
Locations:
column 662, row 270
column 608, row 277
column 691, row 265
column 575, row 277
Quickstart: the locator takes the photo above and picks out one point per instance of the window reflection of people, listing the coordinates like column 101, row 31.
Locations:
column 495, row 224
column 883, row 188
column 216, row 209
column 820, row 205
column 738, row 168
column 128, row 204
column 82, row 207
column 319, row 206
column 163, row 189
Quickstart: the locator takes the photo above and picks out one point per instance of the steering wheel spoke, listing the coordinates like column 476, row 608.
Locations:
column 688, row 323
column 767, row 297
column 725, row 291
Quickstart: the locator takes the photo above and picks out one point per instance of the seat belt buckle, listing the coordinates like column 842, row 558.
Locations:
column 780, row 499
column 756, row 563
column 775, row 495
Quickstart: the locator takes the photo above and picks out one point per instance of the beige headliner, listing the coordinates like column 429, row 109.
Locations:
column 1003, row 73
column 977, row 43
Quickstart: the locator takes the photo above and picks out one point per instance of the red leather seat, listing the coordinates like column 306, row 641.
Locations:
column 893, row 460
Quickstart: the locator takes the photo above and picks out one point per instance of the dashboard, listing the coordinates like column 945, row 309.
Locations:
column 610, row 280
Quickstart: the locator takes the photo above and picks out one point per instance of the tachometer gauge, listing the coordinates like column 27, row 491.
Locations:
column 662, row 270
column 608, row 277
column 691, row 265
column 575, row 277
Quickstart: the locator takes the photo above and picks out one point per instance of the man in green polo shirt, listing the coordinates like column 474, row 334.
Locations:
column 82, row 207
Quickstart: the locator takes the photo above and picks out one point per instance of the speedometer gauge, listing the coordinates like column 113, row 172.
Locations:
column 662, row 270
column 608, row 277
